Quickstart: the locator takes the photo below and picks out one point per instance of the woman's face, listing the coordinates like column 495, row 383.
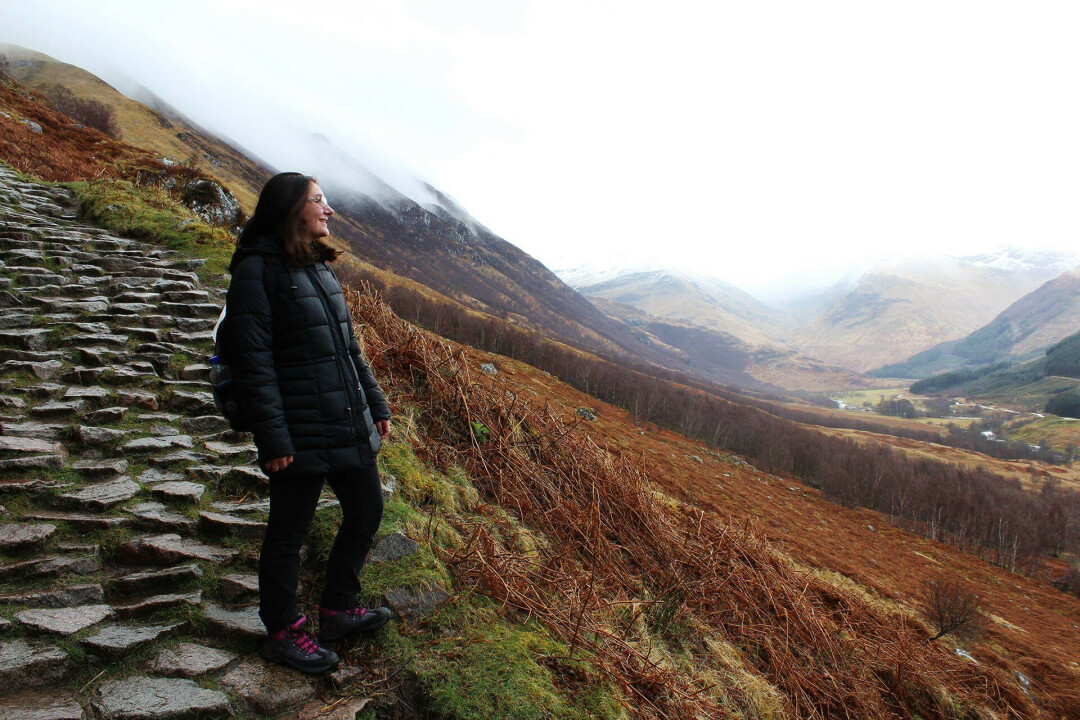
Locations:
column 314, row 214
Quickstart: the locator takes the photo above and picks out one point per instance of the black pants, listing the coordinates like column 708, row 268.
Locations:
column 292, row 507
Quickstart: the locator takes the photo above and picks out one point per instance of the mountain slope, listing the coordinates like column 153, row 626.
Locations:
column 903, row 307
column 1031, row 324
column 703, row 302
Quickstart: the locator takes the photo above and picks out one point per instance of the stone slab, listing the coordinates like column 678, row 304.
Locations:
column 412, row 605
column 393, row 547
column 238, row 623
column 116, row 641
column 182, row 490
column 267, row 689
column 64, row 621
column 19, row 537
column 59, row 598
column 25, row 664
column 100, row 495
column 41, row 705
column 141, row 583
column 170, row 549
column 190, row 660
column 141, row 698
column 213, row 524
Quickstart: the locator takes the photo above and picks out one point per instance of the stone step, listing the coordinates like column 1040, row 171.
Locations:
column 64, row 621
column 156, row 603
column 170, row 549
column 41, row 705
column 142, row 698
column 61, row 598
column 219, row 525
column 244, row 623
column 22, row 537
column 31, row 664
column 114, row 642
column 153, row 581
column 190, row 660
column 100, row 495
column 25, row 339
column 47, row 567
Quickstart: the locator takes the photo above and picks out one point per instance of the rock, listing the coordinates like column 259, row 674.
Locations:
column 105, row 416
column 348, row 708
column 141, row 583
column 94, row 393
column 196, row 371
column 389, row 485
column 156, row 603
column 138, row 398
column 62, row 598
column 170, row 549
column 15, row 403
column 34, row 127
column 64, row 621
column 393, row 547
column 183, row 491
column 267, row 689
column 15, row 444
column 139, row 698
column 41, row 705
column 25, row 338
column 48, row 567
column 27, row 665
column 17, row 537
column 80, row 521
column 164, row 431
column 201, row 403
column 204, row 424
column 95, row 468
column 43, row 431
column 489, row 368
column 215, row 524
column 44, row 369
column 190, row 660
column 414, row 604
column 586, row 413
column 238, row 623
column 100, row 495
column 116, row 641
column 226, row 450
column 90, row 435
column 155, row 444
column 34, row 462
column 177, row 457
column 57, row 408
column 242, row 475
column 237, row 587
column 156, row 516
column 153, row 475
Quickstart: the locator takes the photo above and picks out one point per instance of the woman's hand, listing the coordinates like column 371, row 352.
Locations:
column 383, row 426
column 278, row 464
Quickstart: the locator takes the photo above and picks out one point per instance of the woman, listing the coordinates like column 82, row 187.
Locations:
column 316, row 412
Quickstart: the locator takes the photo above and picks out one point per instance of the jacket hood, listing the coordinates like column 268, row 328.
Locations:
column 262, row 245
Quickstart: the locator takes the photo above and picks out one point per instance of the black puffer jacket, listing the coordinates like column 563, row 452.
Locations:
column 304, row 383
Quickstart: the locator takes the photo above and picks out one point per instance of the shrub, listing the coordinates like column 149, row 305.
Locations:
column 952, row 607
column 88, row 112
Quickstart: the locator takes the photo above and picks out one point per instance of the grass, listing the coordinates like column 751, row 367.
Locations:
column 148, row 213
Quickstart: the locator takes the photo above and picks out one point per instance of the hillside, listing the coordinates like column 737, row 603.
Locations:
column 904, row 307
column 706, row 303
column 1024, row 329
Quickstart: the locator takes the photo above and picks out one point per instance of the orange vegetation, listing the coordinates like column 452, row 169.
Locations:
column 818, row 599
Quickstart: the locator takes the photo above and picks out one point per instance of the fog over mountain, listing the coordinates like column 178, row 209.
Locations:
column 770, row 146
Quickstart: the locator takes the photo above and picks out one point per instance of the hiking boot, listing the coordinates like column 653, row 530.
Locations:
column 336, row 624
column 294, row 647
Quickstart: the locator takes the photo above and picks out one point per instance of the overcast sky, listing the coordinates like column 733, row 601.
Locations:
column 755, row 141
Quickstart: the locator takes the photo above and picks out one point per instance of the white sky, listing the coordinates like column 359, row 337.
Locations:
column 760, row 142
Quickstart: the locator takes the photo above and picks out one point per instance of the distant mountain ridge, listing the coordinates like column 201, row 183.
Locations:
column 905, row 306
column 1022, row 331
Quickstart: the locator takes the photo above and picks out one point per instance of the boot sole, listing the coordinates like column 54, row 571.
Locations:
column 327, row 639
column 307, row 670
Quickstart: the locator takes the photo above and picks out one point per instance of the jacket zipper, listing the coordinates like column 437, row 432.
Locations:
column 340, row 345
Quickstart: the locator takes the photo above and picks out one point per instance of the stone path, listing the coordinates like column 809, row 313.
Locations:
column 122, row 491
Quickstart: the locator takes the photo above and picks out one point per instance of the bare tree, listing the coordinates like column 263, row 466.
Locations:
column 952, row 607
column 5, row 68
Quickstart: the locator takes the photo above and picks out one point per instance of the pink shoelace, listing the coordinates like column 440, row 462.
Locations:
column 356, row 611
column 304, row 641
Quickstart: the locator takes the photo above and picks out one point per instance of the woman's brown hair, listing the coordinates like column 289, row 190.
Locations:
column 277, row 215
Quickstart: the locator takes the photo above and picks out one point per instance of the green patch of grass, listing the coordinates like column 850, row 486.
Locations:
column 419, row 571
column 147, row 213
column 475, row 664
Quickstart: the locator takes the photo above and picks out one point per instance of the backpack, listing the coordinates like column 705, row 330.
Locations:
column 227, row 391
